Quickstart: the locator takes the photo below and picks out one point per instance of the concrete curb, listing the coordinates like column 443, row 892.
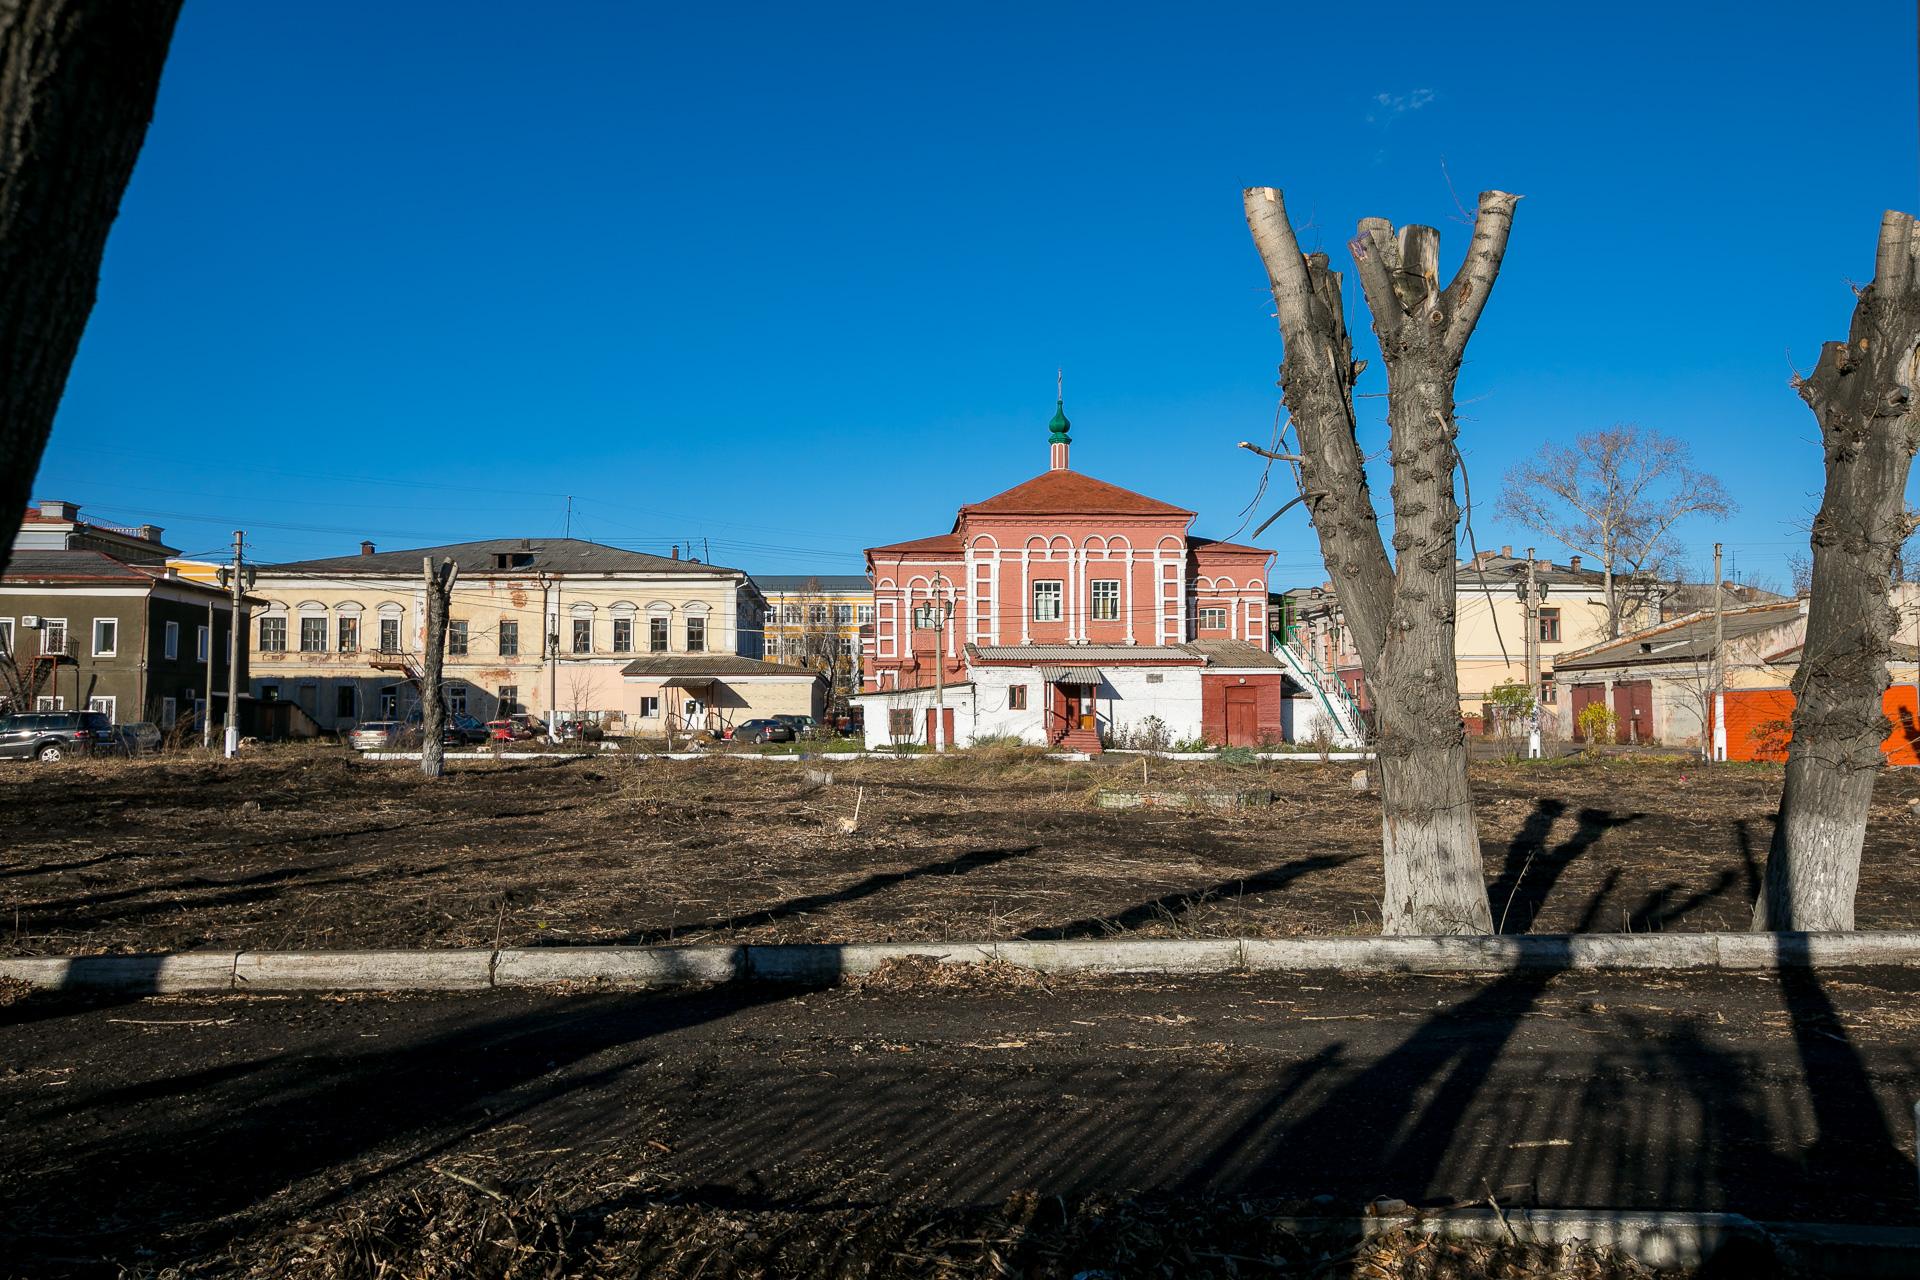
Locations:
column 1659, row 1240
column 819, row 963
column 1292, row 757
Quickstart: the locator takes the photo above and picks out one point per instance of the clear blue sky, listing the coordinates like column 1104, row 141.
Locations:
column 795, row 279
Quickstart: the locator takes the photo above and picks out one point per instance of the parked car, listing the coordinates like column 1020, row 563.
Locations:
column 138, row 738
column 758, row 732
column 55, row 735
column 376, row 735
column 460, row 730
column 802, row 726
column 580, row 731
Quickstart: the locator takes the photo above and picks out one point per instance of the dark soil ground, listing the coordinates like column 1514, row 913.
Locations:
column 314, row 848
column 922, row 1123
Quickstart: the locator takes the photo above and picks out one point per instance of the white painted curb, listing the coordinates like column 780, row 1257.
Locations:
column 476, row 969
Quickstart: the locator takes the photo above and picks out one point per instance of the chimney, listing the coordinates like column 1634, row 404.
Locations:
column 151, row 532
column 1573, row 563
column 676, row 551
column 1506, row 552
column 366, row 548
column 54, row 509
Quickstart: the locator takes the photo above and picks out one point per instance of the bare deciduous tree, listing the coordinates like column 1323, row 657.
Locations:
column 1616, row 496
column 77, row 85
column 433, row 706
column 1862, row 392
column 1401, row 612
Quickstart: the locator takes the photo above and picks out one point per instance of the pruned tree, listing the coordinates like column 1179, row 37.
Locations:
column 78, row 80
column 1401, row 610
column 1862, row 393
column 433, row 705
column 1614, row 495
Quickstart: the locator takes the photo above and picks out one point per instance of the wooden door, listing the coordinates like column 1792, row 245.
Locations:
column 941, row 730
column 1243, row 716
column 1633, row 704
column 1584, row 696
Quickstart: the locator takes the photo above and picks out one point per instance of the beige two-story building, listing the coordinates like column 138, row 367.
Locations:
column 637, row 643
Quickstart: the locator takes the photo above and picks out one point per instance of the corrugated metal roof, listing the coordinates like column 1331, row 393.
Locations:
column 1234, row 653
column 1681, row 639
column 1084, row 655
column 709, row 664
column 550, row 555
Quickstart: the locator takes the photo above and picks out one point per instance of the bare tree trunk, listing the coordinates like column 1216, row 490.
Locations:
column 1862, row 393
column 78, row 80
column 1401, row 613
column 433, row 709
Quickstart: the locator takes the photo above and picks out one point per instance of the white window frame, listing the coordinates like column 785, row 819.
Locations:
column 650, row 707
column 863, row 614
column 399, row 639
column 1200, row 617
column 697, row 620
column 260, row 633
column 48, row 628
column 6, row 636
column 1053, row 592
column 459, row 627
column 50, row 702
column 202, row 642
column 457, row 698
column 843, row 615
column 106, row 702
column 112, row 650
column 1105, row 604
column 325, row 630
column 170, row 641
column 579, row 621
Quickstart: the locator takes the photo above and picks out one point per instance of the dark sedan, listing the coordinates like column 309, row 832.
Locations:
column 759, row 732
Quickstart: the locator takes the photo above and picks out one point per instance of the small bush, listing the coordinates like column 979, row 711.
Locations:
column 1193, row 744
column 1597, row 723
column 1149, row 734
column 1238, row 756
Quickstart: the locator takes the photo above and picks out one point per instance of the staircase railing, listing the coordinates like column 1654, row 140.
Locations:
column 1337, row 700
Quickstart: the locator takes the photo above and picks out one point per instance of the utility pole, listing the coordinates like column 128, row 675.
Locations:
column 937, row 734
column 206, row 721
column 237, row 586
column 1533, row 661
column 552, row 624
column 1716, row 672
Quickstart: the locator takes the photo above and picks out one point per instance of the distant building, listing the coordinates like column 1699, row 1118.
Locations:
column 551, row 626
column 91, row 617
column 1068, row 610
column 815, row 620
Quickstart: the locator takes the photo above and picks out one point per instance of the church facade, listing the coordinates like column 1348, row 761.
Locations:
column 1069, row 611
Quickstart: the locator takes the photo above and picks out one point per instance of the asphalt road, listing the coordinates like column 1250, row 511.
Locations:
column 141, row 1129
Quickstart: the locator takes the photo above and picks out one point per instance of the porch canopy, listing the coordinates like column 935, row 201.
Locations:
column 686, row 682
column 1070, row 675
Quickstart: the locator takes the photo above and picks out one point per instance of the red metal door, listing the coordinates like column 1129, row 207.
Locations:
column 1584, row 696
column 1243, row 716
column 1633, row 704
column 945, row 723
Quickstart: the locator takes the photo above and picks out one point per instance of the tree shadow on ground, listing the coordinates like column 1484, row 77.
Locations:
column 1171, row 906
column 879, row 882
column 1531, row 869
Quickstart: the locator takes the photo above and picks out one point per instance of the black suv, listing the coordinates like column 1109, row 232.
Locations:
column 54, row 735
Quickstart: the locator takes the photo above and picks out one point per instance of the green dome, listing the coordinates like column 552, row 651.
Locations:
column 1058, row 428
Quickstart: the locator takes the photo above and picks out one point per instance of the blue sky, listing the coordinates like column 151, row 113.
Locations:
column 795, row 279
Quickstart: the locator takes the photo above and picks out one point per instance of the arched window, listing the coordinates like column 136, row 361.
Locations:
column 313, row 627
column 391, row 620
column 582, row 628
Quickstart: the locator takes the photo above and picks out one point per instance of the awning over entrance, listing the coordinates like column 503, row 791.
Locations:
column 686, row 682
column 1070, row 675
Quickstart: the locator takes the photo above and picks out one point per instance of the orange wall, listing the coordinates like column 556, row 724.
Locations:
column 1757, row 721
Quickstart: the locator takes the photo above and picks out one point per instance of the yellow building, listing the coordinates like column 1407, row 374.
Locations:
column 814, row 621
column 640, row 644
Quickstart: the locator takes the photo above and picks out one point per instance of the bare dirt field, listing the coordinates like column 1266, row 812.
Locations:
column 313, row 848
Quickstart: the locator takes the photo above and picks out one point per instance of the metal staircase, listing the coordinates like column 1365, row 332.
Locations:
column 1349, row 728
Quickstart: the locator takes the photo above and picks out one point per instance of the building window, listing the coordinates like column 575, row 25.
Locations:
column 623, row 635
column 349, row 637
column 49, row 703
column 900, row 723
column 389, row 635
column 1106, row 599
column 457, row 637
column 106, row 637
column 656, row 635
column 1547, row 696
column 170, row 641
column 169, row 712
column 102, row 702
column 843, row 615
column 508, row 696
column 926, row 617
column 864, row 614
column 1046, row 601
column 843, row 645
column 343, row 702
column 650, row 708
column 509, row 639
column 1016, row 697
column 6, row 636
column 1550, row 625
column 389, row 703
column 53, row 635
column 269, row 693
column 202, row 641
column 273, row 635
column 313, row 634
column 696, row 635
column 457, row 699
column 1213, row 619
column 817, row 615
column 583, row 635
column 790, row 614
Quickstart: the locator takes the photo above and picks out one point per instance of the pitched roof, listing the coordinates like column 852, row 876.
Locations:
column 718, row 665
column 812, row 581
column 947, row 542
column 1066, row 492
column 1217, row 545
column 1233, row 653
column 1681, row 639
column 1085, row 655
column 79, row 567
column 550, row 555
